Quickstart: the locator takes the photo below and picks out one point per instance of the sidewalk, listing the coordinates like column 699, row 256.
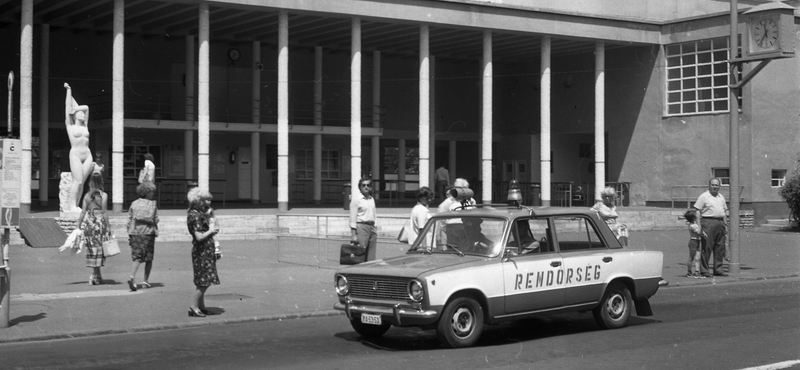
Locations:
column 51, row 298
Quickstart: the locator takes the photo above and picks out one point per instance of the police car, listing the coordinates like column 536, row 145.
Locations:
column 487, row 264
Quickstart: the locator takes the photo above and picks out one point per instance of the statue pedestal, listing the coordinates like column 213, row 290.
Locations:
column 67, row 207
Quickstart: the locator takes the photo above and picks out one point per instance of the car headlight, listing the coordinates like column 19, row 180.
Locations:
column 342, row 287
column 415, row 291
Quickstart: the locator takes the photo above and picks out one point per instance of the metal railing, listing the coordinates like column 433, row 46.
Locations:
column 689, row 193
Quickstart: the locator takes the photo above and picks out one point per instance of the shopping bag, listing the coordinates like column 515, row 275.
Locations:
column 352, row 254
column 110, row 247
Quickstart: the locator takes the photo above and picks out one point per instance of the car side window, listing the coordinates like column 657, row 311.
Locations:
column 576, row 233
column 530, row 236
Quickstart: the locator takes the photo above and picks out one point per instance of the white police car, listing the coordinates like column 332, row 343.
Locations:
column 485, row 265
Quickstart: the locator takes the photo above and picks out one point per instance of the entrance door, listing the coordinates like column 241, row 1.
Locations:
column 516, row 170
column 243, row 164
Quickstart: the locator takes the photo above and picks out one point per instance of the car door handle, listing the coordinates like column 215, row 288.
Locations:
column 555, row 263
column 607, row 259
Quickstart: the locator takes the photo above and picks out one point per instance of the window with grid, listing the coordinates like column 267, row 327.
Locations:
column 778, row 178
column 390, row 160
column 331, row 164
column 698, row 77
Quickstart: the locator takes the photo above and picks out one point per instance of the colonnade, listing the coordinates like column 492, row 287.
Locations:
column 426, row 96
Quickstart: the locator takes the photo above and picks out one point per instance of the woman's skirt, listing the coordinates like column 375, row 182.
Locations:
column 142, row 247
column 95, row 232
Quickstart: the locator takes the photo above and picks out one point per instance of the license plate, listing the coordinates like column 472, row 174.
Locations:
column 370, row 319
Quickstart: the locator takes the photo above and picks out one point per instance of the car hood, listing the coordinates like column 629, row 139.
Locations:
column 410, row 265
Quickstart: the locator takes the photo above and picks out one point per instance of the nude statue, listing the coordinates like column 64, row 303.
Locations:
column 80, row 157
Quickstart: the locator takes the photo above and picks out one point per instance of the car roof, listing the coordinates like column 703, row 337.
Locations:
column 511, row 212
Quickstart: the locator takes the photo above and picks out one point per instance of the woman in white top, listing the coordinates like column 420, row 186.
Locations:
column 420, row 213
column 149, row 171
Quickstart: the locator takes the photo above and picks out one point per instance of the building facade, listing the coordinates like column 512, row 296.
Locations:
column 281, row 102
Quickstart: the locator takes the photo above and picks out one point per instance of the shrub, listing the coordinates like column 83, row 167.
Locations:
column 790, row 192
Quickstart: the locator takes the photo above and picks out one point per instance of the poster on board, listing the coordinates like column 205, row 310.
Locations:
column 10, row 181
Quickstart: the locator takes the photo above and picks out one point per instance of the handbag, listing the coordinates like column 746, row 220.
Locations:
column 404, row 232
column 352, row 254
column 110, row 247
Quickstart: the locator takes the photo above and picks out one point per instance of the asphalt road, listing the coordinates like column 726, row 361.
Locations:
column 726, row 326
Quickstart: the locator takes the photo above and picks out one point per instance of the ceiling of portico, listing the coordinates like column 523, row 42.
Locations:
column 237, row 23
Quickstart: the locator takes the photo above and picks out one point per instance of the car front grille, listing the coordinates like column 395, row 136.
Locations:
column 378, row 287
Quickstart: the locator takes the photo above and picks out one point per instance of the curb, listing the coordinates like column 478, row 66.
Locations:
column 161, row 327
column 728, row 280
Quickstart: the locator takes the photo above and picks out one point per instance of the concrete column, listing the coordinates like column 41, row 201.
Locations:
column 451, row 146
column 118, row 106
column 355, row 105
column 255, row 167
column 599, row 120
column 486, row 126
column 424, row 105
column 44, row 114
column 188, row 135
column 188, row 154
column 283, row 111
column 318, row 123
column 203, row 79
column 25, row 102
column 432, row 129
column 401, row 166
column 544, row 145
column 255, row 137
column 376, row 118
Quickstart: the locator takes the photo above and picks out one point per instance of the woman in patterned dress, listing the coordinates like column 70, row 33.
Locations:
column 93, row 221
column 142, row 232
column 204, row 260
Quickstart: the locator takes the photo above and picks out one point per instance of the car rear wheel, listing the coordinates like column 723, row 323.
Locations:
column 461, row 323
column 369, row 330
column 615, row 309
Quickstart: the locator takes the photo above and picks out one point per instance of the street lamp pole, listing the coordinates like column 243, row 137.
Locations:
column 733, row 219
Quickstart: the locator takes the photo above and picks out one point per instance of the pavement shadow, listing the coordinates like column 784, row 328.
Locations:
column 27, row 318
column 415, row 339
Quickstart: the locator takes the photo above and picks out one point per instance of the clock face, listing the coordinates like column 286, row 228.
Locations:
column 765, row 33
column 233, row 54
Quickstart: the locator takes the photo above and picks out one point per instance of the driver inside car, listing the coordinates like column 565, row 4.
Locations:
column 474, row 240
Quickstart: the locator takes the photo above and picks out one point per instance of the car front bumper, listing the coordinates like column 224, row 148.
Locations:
column 398, row 314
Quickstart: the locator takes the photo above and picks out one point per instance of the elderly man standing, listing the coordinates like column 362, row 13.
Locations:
column 712, row 212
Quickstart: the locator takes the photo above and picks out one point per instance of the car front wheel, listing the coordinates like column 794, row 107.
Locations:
column 615, row 309
column 369, row 330
column 461, row 323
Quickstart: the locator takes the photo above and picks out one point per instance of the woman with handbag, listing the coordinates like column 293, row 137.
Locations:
column 93, row 221
column 142, row 232
column 204, row 259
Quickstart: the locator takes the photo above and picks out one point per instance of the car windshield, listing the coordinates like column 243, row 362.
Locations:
column 464, row 235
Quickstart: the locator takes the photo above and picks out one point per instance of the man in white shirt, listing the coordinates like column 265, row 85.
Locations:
column 712, row 212
column 362, row 218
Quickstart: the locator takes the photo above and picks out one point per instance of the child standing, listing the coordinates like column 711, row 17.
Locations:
column 213, row 220
column 695, row 239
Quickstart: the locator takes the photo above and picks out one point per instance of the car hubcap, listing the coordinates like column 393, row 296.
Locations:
column 615, row 306
column 462, row 322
